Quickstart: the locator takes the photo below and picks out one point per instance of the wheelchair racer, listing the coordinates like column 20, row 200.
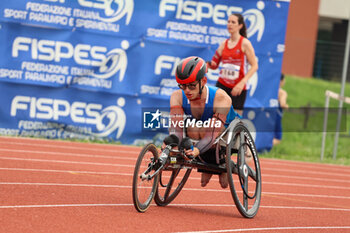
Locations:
column 201, row 103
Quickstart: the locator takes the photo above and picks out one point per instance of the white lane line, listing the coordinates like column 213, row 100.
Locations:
column 312, row 196
column 64, row 171
column 300, row 168
column 68, row 154
column 182, row 205
column 80, row 147
column 136, row 150
column 299, row 172
column 132, row 166
column 130, row 174
column 307, row 185
column 301, row 163
column 266, row 207
column 185, row 189
column 64, row 161
column 341, row 174
column 307, row 178
column 71, row 185
column 273, row 229
column 61, row 205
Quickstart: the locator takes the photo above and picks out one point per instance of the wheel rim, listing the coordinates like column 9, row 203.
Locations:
column 245, row 182
column 143, row 187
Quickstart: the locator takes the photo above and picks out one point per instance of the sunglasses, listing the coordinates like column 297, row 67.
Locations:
column 190, row 86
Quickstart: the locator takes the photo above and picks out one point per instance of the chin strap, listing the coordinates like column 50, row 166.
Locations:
column 200, row 91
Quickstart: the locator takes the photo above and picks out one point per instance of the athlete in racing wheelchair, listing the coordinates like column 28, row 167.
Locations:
column 201, row 103
column 205, row 133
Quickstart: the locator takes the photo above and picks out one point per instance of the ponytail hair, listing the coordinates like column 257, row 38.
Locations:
column 243, row 31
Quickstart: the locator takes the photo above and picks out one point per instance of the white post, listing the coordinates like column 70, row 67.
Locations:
column 345, row 71
column 325, row 119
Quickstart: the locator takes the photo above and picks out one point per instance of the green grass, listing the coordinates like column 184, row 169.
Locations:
column 306, row 145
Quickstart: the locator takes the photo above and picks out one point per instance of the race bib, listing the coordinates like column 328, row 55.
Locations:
column 230, row 71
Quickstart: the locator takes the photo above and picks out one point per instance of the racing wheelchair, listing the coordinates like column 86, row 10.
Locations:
column 161, row 176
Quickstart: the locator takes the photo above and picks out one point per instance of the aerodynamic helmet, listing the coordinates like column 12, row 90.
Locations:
column 190, row 69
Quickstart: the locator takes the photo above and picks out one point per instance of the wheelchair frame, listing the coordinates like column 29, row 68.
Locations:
column 236, row 139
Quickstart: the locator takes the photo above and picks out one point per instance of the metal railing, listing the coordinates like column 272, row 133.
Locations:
column 329, row 59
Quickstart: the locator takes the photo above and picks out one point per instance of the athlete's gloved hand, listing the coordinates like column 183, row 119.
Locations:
column 192, row 152
column 188, row 149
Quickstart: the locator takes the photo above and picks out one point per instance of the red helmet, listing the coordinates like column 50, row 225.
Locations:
column 190, row 69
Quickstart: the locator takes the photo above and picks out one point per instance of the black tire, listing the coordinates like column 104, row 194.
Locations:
column 244, row 174
column 165, row 194
column 145, row 165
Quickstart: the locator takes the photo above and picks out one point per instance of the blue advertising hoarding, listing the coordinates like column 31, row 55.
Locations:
column 127, row 49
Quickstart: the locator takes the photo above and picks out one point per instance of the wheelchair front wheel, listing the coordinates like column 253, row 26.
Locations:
column 243, row 171
column 144, row 185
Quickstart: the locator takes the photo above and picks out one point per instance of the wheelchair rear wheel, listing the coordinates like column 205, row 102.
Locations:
column 143, row 186
column 243, row 171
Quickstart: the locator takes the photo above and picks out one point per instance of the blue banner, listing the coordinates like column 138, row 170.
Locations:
column 51, row 57
column 70, row 113
column 129, row 49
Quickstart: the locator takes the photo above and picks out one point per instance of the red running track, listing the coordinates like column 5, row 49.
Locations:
column 56, row 186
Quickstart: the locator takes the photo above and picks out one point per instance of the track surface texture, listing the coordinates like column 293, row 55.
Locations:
column 56, row 186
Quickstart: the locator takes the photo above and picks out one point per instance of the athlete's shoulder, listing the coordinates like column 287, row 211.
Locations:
column 221, row 47
column 176, row 98
column 222, row 98
column 246, row 43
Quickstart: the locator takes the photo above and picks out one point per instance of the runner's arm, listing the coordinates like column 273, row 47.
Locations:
column 176, row 114
column 215, row 61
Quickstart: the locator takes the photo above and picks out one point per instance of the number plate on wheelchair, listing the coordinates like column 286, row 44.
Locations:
column 172, row 159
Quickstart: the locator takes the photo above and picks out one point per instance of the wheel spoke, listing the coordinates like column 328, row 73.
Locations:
column 252, row 173
column 245, row 197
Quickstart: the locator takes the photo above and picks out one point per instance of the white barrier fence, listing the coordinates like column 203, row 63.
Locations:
column 333, row 95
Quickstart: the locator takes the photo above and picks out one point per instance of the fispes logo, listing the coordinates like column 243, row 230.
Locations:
column 113, row 10
column 116, row 60
column 104, row 64
column 103, row 121
column 255, row 22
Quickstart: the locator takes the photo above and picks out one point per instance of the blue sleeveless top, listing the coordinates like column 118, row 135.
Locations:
column 209, row 106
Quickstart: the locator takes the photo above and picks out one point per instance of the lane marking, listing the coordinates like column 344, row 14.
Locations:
column 307, row 178
column 64, row 171
column 182, row 205
column 65, row 161
column 113, row 173
column 132, row 166
column 134, row 149
column 79, row 147
column 297, row 163
column 273, row 229
column 306, row 185
column 68, row 154
column 310, row 201
column 342, row 175
column 72, row 185
column 185, row 189
column 299, row 172
column 61, row 205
